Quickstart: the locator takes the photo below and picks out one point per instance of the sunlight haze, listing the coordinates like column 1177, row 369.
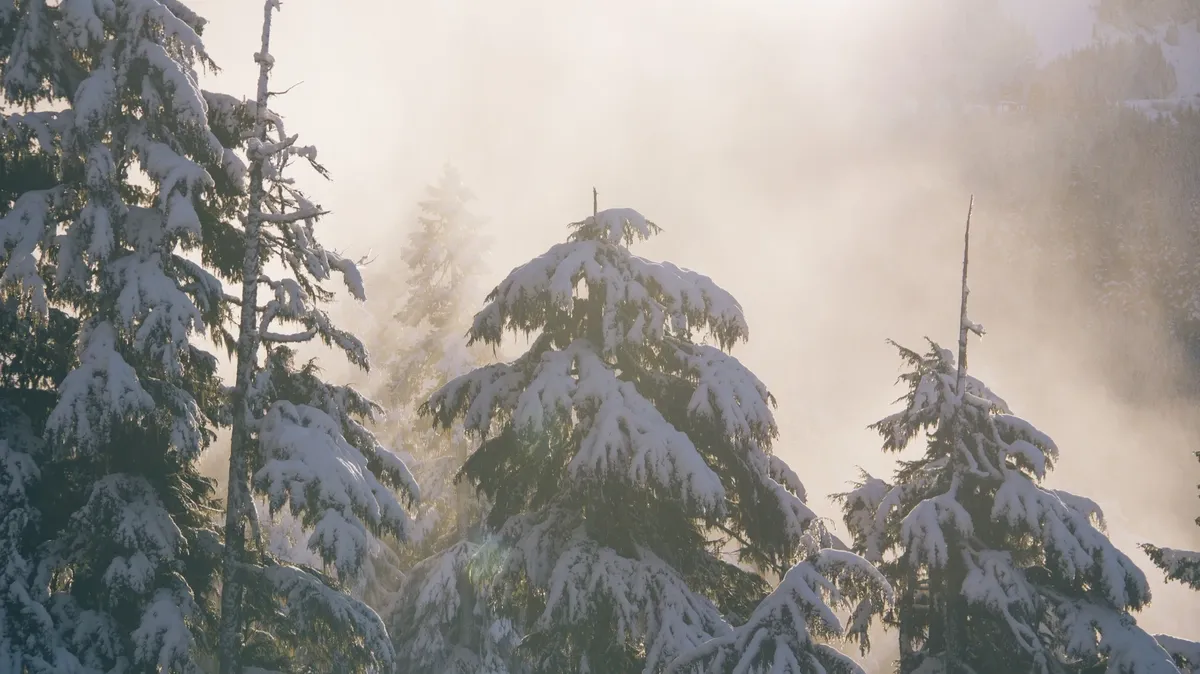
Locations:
column 768, row 139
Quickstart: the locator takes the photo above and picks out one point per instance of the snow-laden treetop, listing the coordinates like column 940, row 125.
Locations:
column 977, row 447
column 639, row 299
column 592, row 285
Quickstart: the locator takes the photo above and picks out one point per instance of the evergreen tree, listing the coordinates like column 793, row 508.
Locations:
column 297, row 439
column 437, row 620
column 993, row 571
column 443, row 262
column 35, row 356
column 126, row 551
column 620, row 455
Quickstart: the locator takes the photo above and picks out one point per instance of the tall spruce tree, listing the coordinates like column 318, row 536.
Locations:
column 126, row 549
column 620, row 454
column 438, row 619
column 297, row 439
column 993, row 572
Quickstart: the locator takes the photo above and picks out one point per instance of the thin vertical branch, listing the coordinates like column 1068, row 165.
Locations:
column 595, row 202
column 964, row 324
column 238, row 504
column 954, row 574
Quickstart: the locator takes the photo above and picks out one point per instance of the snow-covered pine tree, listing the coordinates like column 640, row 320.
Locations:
column 35, row 356
column 127, row 554
column 994, row 572
column 437, row 619
column 297, row 439
column 423, row 339
column 619, row 454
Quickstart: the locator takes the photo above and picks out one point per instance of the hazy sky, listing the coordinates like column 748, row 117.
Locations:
column 745, row 130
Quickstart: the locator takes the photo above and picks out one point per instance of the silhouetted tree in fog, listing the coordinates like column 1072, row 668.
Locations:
column 437, row 621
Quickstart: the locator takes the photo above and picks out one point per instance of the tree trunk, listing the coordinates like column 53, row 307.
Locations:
column 954, row 614
column 906, row 617
column 238, row 502
column 466, row 605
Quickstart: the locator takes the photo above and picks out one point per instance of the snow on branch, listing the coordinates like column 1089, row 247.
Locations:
column 921, row 531
column 25, row 228
column 144, row 16
column 161, row 315
column 46, row 127
column 652, row 603
column 312, row 606
column 425, row 617
column 1091, row 630
column 865, row 511
column 484, row 397
column 729, row 393
column 989, row 438
column 639, row 297
column 1074, row 544
column 145, row 545
column 291, row 303
column 188, row 425
column 348, row 406
column 625, row 432
column 427, row 606
column 179, row 180
column 1186, row 653
column 932, row 400
column 994, row 581
column 1180, row 565
column 615, row 226
column 781, row 485
column 621, row 433
column 101, row 390
column 19, row 474
column 163, row 639
column 309, row 463
column 780, row 636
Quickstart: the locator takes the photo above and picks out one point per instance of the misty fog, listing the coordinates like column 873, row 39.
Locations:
column 773, row 142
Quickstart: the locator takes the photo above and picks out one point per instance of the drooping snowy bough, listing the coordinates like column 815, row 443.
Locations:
column 622, row 456
column 993, row 571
